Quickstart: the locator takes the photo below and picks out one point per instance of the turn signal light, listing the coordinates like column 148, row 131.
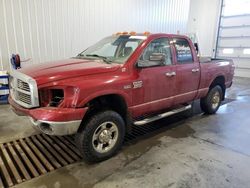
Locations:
column 132, row 33
column 146, row 33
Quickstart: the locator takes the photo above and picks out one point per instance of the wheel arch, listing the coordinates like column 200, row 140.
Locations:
column 111, row 101
column 219, row 80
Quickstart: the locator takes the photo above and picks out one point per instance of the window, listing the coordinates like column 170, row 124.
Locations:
column 246, row 51
column 160, row 46
column 228, row 51
column 113, row 49
column 132, row 44
column 107, row 50
column 183, row 51
column 127, row 50
column 233, row 7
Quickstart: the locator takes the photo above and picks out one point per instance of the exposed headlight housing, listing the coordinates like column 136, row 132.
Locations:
column 58, row 96
column 51, row 97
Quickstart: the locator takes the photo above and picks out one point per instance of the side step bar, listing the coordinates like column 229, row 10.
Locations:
column 163, row 115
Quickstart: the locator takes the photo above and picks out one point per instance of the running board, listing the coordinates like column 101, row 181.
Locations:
column 163, row 115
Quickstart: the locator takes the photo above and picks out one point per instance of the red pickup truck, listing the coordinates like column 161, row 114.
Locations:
column 122, row 80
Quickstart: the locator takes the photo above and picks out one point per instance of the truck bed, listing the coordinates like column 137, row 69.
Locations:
column 209, row 60
column 213, row 67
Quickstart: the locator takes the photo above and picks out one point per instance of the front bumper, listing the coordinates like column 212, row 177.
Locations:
column 56, row 128
column 52, row 120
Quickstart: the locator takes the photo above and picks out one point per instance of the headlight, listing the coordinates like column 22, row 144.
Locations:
column 57, row 96
column 51, row 97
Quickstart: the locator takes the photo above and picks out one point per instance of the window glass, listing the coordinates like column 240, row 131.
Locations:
column 183, row 51
column 228, row 51
column 233, row 7
column 160, row 46
column 246, row 51
column 107, row 50
column 132, row 44
column 127, row 50
column 115, row 49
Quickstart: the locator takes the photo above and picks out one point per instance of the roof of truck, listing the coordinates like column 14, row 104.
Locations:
column 148, row 34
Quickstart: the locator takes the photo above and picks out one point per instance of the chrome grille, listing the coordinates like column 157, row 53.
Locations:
column 23, row 85
column 25, row 98
column 23, row 90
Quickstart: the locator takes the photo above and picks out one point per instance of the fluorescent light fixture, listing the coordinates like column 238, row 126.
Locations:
column 246, row 51
column 228, row 50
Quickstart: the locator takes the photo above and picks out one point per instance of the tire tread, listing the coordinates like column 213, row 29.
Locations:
column 83, row 138
column 205, row 103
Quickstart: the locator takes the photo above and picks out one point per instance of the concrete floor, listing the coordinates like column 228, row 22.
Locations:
column 202, row 151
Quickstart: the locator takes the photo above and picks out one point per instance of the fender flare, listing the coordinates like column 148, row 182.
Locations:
column 125, row 96
column 215, row 77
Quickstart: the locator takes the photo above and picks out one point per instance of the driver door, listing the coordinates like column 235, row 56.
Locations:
column 155, row 82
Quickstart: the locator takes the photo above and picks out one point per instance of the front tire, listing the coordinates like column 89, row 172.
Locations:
column 101, row 137
column 211, row 103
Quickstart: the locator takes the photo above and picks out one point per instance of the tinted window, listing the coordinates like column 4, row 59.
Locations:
column 183, row 51
column 158, row 46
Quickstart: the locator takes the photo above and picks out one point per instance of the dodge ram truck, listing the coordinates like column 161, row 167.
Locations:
column 125, row 79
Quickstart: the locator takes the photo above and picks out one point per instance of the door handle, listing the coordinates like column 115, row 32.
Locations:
column 170, row 74
column 195, row 70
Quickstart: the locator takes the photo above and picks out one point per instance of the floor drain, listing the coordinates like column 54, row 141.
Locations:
column 30, row 157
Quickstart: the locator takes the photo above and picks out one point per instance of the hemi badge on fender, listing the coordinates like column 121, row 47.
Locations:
column 137, row 84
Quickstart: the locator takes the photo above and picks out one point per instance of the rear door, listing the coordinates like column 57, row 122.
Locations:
column 187, row 71
column 155, row 84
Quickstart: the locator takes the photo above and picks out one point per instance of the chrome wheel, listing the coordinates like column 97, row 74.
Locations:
column 215, row 100
column 105, row 137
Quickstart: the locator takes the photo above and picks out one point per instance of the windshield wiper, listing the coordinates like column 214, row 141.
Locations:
column 105, row 59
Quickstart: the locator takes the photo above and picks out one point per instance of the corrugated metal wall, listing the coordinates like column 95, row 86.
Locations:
column 46, row 30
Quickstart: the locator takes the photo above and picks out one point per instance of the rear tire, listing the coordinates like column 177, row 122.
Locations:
column 211, row 103
column 101, row 137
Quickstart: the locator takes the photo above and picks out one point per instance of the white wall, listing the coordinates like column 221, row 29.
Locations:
column 46, row 30
column 203, row 20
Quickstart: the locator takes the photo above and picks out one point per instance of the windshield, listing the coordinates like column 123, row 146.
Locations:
column 113, row 49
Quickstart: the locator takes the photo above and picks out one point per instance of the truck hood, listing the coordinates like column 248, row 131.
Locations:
column 53, row 71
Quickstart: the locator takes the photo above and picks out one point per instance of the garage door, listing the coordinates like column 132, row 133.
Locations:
column 234, row 35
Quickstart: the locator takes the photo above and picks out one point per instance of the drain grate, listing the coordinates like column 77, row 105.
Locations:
column 1, row 183
column 30, row 157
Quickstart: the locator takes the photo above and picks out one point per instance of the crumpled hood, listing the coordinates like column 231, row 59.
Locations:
column 53, row 71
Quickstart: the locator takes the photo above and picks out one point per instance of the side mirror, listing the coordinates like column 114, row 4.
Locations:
column 157, row 57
